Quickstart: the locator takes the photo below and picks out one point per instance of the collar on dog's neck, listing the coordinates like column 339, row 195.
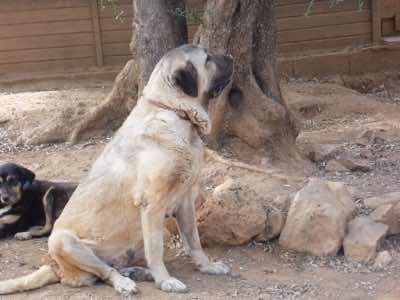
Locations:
column 180, row 113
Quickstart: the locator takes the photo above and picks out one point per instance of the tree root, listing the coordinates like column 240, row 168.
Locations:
column 115, row 105
column 214, row 155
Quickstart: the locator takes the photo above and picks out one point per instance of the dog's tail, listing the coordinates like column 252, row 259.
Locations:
column 44, row 276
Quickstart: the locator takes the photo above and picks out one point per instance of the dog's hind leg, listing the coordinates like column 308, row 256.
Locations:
column 38, row 231
column 72, row 253
column 44, row 276
column 186, row 219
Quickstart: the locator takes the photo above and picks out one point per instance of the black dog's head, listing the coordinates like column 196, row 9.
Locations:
column 14, row 180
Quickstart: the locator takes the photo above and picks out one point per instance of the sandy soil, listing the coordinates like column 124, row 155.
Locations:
column 329, row 113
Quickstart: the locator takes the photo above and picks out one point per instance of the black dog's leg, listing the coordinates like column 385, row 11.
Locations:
column 2, row 232
column 137, row 273
column 48, row 205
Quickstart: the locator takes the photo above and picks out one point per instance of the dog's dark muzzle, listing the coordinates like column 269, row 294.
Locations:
column 223, row 76
column 5, row 200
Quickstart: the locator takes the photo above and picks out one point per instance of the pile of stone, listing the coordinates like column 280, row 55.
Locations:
column 318, row 220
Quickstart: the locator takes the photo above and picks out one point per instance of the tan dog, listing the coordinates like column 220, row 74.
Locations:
column 149, row 171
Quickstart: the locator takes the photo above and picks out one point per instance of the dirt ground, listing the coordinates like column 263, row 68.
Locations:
column 329, row 113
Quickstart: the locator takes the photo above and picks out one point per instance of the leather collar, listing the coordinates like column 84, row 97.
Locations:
column 181, row 114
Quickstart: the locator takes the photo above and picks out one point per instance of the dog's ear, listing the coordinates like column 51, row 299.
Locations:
column 186, row 79
column 27, row 177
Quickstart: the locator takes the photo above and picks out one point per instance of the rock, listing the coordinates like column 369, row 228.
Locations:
column 366, row 153
column 371, row 136
column 226, row 218
column 317, row 218
column 388, row 198
column 364, row 238
column 334, row 166
column 388, row 214
column 382, row 260
column 274, row 225
column 354, row 165
column 276, row 217
column 321, row 152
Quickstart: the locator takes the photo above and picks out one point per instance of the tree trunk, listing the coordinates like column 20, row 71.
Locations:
column 158, row 26
column 156, row 29
column 253, row 111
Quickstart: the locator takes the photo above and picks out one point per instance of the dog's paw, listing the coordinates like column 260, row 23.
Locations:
column 215, row 268
column 23, row 236
column 172, row 285
column 125, row 286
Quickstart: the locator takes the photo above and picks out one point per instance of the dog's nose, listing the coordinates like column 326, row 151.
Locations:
column 4, row 199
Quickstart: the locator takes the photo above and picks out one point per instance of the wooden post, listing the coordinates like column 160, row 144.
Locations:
column 376, row 23
column 97, row 32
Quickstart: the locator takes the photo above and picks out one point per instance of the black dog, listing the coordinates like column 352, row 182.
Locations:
column 29, row 207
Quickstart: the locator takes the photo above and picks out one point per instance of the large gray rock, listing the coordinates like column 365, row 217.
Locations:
column 224, row 219
column 317, row 218
column 364, row 238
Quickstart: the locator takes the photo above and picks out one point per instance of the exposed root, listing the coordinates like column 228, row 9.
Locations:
column 115, row 105
column 214, row 155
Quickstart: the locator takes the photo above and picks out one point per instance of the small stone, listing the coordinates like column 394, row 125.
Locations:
column 353, row 165
column 364, row 238
column 321, row 152
column 370, row 137
column 382, row 260
column 388, row 214
column 388, row 198
column 334, row 166
column 365, row 153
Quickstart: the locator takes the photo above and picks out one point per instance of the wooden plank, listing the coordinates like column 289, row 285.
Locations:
column 20, row 5
column 112, row 24
column 59, row 65
column 338, row 18
column 44, row 15
column 291, row 2
column 119, row 60
column 34, row 55
column 318, row 8
column 376, row 23
column 46, row 41
column 117, row 49
column 324, row 44
column 20, row 30
column 96, row 32
column 117, row 36
column 324, row 32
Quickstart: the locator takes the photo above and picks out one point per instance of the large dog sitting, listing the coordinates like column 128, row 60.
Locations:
column 149, row 171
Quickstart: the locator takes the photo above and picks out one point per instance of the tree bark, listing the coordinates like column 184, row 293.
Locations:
column 253, row 110
column 158, row 26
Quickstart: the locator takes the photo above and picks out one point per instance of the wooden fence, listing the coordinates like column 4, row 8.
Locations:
column 45, row 35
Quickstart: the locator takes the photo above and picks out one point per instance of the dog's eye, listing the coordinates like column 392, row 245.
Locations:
column 11, row 180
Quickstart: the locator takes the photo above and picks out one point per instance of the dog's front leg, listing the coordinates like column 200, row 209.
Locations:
column 186, row 219
column 153, row 217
